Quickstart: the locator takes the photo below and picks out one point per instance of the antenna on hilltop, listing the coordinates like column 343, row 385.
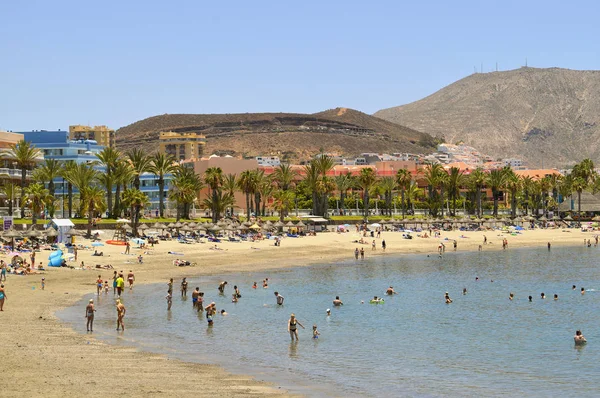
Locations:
column 526, row 62
column 496, row 66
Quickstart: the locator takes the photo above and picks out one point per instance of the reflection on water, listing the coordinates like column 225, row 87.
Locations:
column 413, row 344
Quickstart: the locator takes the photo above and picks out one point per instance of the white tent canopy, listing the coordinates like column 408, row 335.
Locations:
column 62, row 226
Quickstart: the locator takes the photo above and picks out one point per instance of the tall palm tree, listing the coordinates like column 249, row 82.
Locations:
column 495, row 181
column 579, row 185
column 135, row 200
column 230, row 186
column 36, row 197
column 284, row 176
column 245, row 185
column 123, row 174
column 94, row 203
column 11, row 192
column 140, row 163
column 67, row 173
column 344, row 182
column 388, row 186
column 185, row 188
column 412, row 193
column 366, row 181
column 218, row 202
column 403, row 179
column 311, row 179
column 161, row 165
column 513, row 184
column 565, row 188
column 213, row 177
column 435, row 176
column 456, row 180
column 266, row 189
column 477, row 180
column 47, row 172
column 25, row 155
column 109, row 158
column 527, row 185
column 82, row 176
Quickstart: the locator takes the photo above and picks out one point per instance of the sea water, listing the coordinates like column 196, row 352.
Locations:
column 414, row 344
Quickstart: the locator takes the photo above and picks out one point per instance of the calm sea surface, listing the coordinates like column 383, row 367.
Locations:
column 483, row 344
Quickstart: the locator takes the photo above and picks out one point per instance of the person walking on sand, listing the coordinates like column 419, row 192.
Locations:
column 115, row 276
column 373, row 245
column 127, row 247
column 120, row 314
column 89, row 314
column 383, row 245
column 3, row 297
column 2, row 271
column 293, row 324
column 130, row 279
column 120, row 285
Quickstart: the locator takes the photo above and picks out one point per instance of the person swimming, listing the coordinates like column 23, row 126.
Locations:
column 447, row 298
column 542, row 296
column 511, row 296
column 530, row 299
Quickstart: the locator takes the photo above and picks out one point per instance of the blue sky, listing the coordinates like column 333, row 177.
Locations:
column 116, row 62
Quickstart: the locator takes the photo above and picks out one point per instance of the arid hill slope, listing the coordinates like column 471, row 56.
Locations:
column 530, row 113
column 289, row 135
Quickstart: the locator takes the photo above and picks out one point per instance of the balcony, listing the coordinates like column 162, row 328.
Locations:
column 5, row 172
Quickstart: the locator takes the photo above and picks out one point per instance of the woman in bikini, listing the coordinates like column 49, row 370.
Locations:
column 292, row 327
column 120, row 315
column 89, row 314
column 3, row 297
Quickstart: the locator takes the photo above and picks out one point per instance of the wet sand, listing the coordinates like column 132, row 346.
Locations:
column 41, row 356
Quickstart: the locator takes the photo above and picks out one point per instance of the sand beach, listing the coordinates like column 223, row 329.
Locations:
column 43, row 357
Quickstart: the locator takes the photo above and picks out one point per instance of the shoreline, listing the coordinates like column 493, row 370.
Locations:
column 62, row 361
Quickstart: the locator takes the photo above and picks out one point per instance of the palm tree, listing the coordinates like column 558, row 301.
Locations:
column 527, row 187
column 67, row 173
column 456, row 179
column 213, row 177
column 495, row 181
column 140, row 163
column 565, row 188
column 10, row 191
column 218, row 203
column 324, row 165
column 94, row 203
column 403, row 179
column 343, row 183
column 109, row 158
column 513, row 184
column 161, row 165
column 48, row 171
column 135, row 200
column 284, row 176
column 82, row 176
column 283, row 201
column 311, row 179
column 265, row 189
column 477, row 180
column 245, row 184
column 436, row 176
column 123, row 174
column 412, row 193
column 388, row 186
column 230, row 186
column 25, row 155
column 579, row 185
column 366, row 181
column 36, row 197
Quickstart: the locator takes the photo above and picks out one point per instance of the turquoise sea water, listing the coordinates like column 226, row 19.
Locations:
column 482, row 344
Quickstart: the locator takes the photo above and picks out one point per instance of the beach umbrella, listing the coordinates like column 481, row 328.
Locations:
column 268, row 223
column 568, row 218
column 178, row 224
column 289, row 224
column 543, row 218
column 301, row 224
column 171, row 225
column 231, row 228
column 279, row 224
column 247, row 223
column 143, row 227
column 254, row 226
column 555, row 218
column 393, row 221
column 215, row 228
column 158, row 225
column 51, row 232
column 11, row 233
column 33, row 233
column 73, row 232
column 186, row 229
column 192, row 225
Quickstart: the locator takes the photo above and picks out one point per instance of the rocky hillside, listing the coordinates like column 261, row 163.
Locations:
column 291, row 136
column 551, row 114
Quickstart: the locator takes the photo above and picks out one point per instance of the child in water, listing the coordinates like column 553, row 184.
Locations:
column 105, row 287
column 316, row 333
column 234, row 298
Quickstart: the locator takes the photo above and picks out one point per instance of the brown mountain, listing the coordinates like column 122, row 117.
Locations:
column 291, row 136
column 550, row 114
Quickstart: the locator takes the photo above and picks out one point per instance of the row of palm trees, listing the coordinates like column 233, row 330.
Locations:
column 279, row 191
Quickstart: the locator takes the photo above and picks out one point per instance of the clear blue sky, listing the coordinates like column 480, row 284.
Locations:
column 115, row 62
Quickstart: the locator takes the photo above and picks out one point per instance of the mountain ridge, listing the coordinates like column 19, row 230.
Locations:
column 544, row 115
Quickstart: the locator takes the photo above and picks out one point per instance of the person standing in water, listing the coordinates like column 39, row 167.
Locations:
column 130, row 279
column 195, row 295
column 579, row 339
column 337, row 302
column 89, row 314
column 362, row 253
column 222, row 287
column 169, row 298
column 279, row 298
column 170, row 286
column 184, row 286
column 390, row 291
column 120, row 314
column 99, row 284
column 356, row 253
column 293, row 324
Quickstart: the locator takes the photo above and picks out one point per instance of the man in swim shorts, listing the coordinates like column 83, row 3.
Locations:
column 195, row 294
column 279, row 297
